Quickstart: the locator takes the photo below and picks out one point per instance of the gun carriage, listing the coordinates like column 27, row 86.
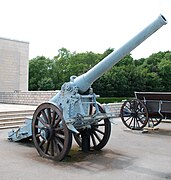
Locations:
column 148, row 108
column 74, row 110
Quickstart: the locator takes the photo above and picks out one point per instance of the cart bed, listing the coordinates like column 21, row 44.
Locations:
column 158, row 103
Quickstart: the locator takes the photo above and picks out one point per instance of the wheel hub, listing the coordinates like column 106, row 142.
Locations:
column 134, row 114
column 47, row 133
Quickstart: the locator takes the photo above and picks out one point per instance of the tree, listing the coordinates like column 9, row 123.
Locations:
column 165, row 73
column 45, row 84
column 128, row 75
column 40, row 68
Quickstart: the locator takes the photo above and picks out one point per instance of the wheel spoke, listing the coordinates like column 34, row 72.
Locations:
column 51, row 136
column 140, row 120
column 141, row 114
column 137, row 122
column 38, row 127
column 44, row 115
column 139, row 110
column 59, row 142
column 60, row 136
column 47, row 147
column 93, row 139
column 128, row 118
column 130, row 121
column 53, row 118
column 154, row 121
column 127, row 107
column 97, row 136
column 57, row 150
column 52, row 148
column 59, row 129
column 42, row 121
column 138, row 116
column 100, row 125
column 101, row 132
column 57, row 121
column 49, row 115
column 41, row 143
column 134, row 122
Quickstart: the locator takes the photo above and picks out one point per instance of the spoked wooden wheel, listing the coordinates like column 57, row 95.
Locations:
column 51, row 136
column 154, row 121
column 134, row 114
column 99, row 132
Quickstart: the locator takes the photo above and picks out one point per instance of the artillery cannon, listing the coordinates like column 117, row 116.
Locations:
column 75, row 109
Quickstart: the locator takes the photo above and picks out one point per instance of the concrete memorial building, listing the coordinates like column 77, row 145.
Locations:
column 14, row 62
column 14, row 56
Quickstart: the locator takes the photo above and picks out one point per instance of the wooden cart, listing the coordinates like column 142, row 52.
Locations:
column 148, row 108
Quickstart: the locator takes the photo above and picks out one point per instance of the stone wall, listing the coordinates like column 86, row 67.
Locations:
column 13, row 65
column 27, row 98
column 115, row 108
column 38, row 97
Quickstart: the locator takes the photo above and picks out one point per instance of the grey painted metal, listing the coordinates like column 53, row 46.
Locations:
column 72, row 101
column 84, row 81
column 23, row 132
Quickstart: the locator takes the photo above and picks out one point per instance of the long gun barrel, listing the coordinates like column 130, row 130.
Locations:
column 84, row 81
column 81, row 113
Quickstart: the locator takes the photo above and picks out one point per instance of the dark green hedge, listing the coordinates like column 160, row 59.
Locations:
column 112, row 100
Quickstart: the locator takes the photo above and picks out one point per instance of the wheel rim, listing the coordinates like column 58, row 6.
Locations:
column 134, row 114
column 154, row 121
column 51, row 136
column 99, row 132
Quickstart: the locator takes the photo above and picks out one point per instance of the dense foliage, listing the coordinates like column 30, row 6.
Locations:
column 129, row 75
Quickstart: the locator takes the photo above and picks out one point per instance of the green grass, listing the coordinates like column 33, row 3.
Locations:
column 111, row 99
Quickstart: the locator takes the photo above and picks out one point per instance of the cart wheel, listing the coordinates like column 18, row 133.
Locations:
column 134, row 114
column 51, row 136
column 99, row 131
column 153, row 121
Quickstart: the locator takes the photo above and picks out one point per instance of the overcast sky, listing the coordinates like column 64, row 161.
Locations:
column 84, row 25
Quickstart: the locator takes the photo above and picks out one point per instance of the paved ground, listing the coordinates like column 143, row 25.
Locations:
column 15, row 107
column 128, row 155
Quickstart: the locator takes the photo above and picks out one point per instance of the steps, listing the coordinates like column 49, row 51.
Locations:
column 14, row 119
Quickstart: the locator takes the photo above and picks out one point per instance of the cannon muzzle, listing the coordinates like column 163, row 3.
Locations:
column 71, row 110
column 84, row 81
